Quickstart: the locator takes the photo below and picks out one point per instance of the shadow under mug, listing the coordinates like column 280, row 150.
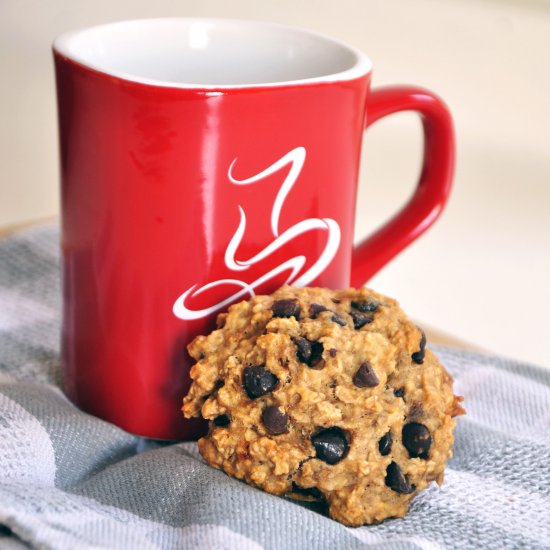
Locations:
column 202, row 162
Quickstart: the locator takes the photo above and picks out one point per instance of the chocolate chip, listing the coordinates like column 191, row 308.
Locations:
column 332, row 352
column 339, row 320
column 316, row 353
column 307, row 491
column 365, row 306
column 331, row 445
column 315, row 309
column 222, row 420
column 384, row 445
column 308, row 352
column 418, row 356
column 258, row 381
column 399, row 392
column 303, row 349
column 360, row 319
column 275, row 420
column 396, row 481
column 416, row 439
column 365, row 377
column 286, row 308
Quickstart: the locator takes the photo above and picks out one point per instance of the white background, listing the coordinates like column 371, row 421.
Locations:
column 482, row 273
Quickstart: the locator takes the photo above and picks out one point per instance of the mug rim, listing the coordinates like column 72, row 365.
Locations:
column 63, row 46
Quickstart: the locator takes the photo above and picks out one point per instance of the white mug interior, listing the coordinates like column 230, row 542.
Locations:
column 211, row 53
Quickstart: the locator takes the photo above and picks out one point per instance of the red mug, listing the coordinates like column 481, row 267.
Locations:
column 204, row 161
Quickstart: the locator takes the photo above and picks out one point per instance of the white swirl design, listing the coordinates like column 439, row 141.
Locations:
column 296, row 159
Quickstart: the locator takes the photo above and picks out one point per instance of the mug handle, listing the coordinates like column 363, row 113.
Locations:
column 434, row 185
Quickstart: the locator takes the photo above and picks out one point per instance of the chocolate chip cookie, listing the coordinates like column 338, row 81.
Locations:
column 324, row 395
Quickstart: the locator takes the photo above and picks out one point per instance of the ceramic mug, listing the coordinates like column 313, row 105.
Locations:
column 204, row 161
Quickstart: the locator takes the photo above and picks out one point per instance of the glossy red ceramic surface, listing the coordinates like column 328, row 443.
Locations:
column 176, row 201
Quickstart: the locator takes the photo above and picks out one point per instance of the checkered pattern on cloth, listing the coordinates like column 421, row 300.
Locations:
column 71, row 481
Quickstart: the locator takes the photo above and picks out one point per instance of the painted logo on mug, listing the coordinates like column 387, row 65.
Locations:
column 297, row 277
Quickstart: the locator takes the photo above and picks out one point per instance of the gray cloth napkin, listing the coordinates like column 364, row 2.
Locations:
column 71, row 481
